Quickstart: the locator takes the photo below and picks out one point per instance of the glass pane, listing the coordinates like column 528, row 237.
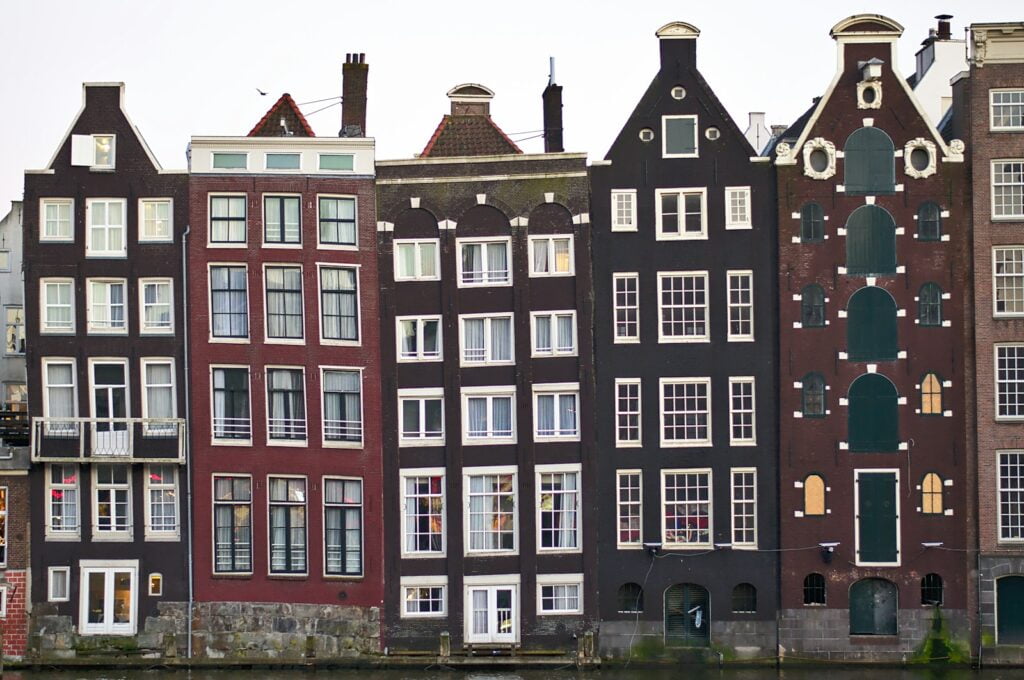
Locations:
column 283, row 161
column 331, row 161
column 122, row 597
column 97, row 591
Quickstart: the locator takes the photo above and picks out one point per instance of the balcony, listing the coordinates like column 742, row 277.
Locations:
column 350, row 431
column 123, row 440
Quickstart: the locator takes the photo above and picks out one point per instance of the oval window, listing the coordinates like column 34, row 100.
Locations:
column 920, row 159
column 646, row 135
column 712, row 133
column 869, row 95
column 819, row 160
column 678, row 92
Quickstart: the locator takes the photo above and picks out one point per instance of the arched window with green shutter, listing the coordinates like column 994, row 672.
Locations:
column 812, row 223
column 869, row 158
column 871, row 325
column 873, row 422
column 870, row 242
column 812, row 306
column 929, row 222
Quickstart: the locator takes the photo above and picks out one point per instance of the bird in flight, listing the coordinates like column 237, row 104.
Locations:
column 261, row 92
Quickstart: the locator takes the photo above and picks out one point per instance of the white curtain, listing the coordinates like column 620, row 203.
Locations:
column 428, row 259
column 540, row 255
column 341, row 404
column 567, row 414
column 159, row 403
column 543, row 333
column 472, row 262
column 497, row 261
column 61, row 393
column 477, row 407
column 502, row 416
column 473, row 338
column 565, row 335
column 406, row 259
column 58, row 305
column 408, row 331
column 545, row 415
column 117, row 305
column 569, row 510
column 501, row 339
column 480, row 612
column 291, row 220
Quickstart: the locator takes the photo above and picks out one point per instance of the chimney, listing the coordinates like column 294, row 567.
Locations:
column 757, row 134
column 552, row 98
column 353, row 96
column 678, row 45
column 944, row 32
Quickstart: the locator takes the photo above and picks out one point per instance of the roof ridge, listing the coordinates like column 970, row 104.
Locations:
column 437, row 134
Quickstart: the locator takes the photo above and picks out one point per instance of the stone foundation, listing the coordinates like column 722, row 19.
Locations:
column 991, row 568
column 734, row 640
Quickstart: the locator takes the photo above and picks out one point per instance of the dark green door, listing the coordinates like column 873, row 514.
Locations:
column 871, row 325
column 870, row 242
column 877, row 517
column 873, row 607
column 686, row 616
column 1010, row 610
column 870, row 162
column 873, row 423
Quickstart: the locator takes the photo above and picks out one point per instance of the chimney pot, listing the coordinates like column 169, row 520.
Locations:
column 353, row 95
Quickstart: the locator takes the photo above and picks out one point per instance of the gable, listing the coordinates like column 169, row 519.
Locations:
column 284, row 119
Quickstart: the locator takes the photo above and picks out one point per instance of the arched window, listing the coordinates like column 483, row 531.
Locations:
column 873, row 604
column 870, row 242
column 931, row 494
column 813, row 396
column 929, row 305
column 871, row 325
column 631, row 598
column 929, row 222
column 931, row 589
column 814, row 589
column 873, row 420
column 869, row 159
column 814, row 495
column 744, row 599
column 812, row 306
column 931, row 395
column 812, row 223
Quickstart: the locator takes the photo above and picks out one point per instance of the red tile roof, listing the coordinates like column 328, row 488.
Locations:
column 269, row 125
column 469, row 135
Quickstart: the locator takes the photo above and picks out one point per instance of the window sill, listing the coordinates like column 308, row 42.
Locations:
column 69, row 332
column 232, row 576
column 290, row 443
column 228, row 340
column 335, row 342
column 344, row 577
column 64, row 241
column 488, row 441
column 674, row 340
column 231, row 442
column 506, row 284
column 432, row 360
column 164, row 241
column 288, row 577
column 341, row 247
column 120, row 537
column 158, row 333
column 329, row 444
column 282, row 246
column 684, row 444
column 106, row 256
column 424, row 555
column 556, row 275
column 158, row 538
column 63, row 538
column 413, row 279
column 232, row 244
column 419, row 443
column 673, row 237
column 284, row 341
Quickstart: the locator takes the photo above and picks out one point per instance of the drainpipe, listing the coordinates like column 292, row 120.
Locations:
column 980, row 635
column 188, row 411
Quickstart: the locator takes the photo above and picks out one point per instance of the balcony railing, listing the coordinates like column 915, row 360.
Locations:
column 343, row 430
column 14, row 428
column 231, row 428
column 287, row 429
column 150, row 440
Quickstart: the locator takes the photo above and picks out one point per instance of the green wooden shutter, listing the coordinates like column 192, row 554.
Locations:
column 870, row 242
column 1010, row 610
column 876, row 517
column 681, row 621
column 873, row 420
column 871, row 326
column 873, row 607
column 870, row 162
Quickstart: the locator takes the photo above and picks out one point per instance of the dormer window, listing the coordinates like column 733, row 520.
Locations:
column 96, row 152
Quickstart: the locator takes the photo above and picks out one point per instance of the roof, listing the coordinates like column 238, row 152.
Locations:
column 793, row 132
column 285, row 109
column 469, row 135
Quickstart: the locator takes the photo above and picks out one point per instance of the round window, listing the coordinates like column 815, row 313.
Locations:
column 920, row 159
column 678, row 92
column 819, row 160
column 712, row 133
column 869, row 95
column 646, row 135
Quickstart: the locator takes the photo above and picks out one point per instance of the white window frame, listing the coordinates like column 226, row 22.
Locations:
column 575, row 580
column 571, row 468
column 547, row 242
column 63, row 534
column 145, row 329
column 91, row 252
column 301, row 340
column 338, row 246
column 241, row 340
column 616, row 308
column 152, row 534
column 93, row 329
column 997, row 277
column 743, row 195
column 210, row 243
column 630, row 207
column 684, row 443
column 407, row 583
column 734, row 502
column 145, row 238
column 417, row 244
column 664, row 137
column 51, row 572
column 555, row 350
column 335, row 444
column 46, row 361
column 621, row 443
column 266, row 161
column 621, row 504
column 282, row 245
column 155, row 584
column 83, row 151
column 739, row 306
column 997, row 382
column 488, row 360
column 70, row 237
column 491, row 584
column 479, row 471
column 107, row 567
column 157, row 429
column 114, row 535
column 1015, row 217
column 231, row 168
column 214, row 440
column 682, row 235
column 1000, row 490
column 992, row 108
column 557, row 391
column 295, row 442
column 343, row 342
column 734, row 412
column 856, row 519
column 460, row 242
column 421, row 355
column 44, row 329
column 420, row 394
column 405, row 473
column 489, row 392
column 706, row 307
column 677, row 545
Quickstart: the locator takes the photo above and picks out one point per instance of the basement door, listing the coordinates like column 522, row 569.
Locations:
column 493, row 615
column 686, row 616
column 1010, row 610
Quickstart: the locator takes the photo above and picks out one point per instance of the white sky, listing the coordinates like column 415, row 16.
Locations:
column 192, row 66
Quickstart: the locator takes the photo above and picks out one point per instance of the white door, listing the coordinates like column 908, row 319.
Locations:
column 108, row 600
column 110, row 401
column 493, row 614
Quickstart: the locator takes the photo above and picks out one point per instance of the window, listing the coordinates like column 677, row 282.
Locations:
column 872, row 325
column 929, row 222
column 14, row 330
column 230, row 161
column 339, row 304
column 337, row 161
column 227, row 219
column 105, row 217
column 681, row 214
column 484, row 263
column 423, row 525
column 337, row 221
column 558, row 508
column 59, row 397
column 814, row 589
column 683, row 306
column 281, row 222
column 631, row 598
column 422, row 417
column 156, row 585
column 112, row 489
column 158, row 398
column 1011, row 495
column 232, row 524
column 156, row 299
column 58, row 584
column 62, row 510
column 229, row 301
column 1008, row 280
column 556, row 411
column 814, row 496
column 287, row 501
column 161, row 501
column 929, row 305
column 490, row 510
column 870, row 242
column 931, row 494
column 744, row 599
column 419, row 338
column 107, row 310
column 424, row 596
column 554, row 333
column 737, row 208
column 624, row 210
column 343, row 406
column 551, row 256
column 56, row 215
column 931, row 395
column 284, row 302
column 741, row 412
column 741, row 305
column 109, row 405
column 869, row 159
column 417, row 260
column 626, row 305
column 108, row 596
column 560, row 593
column 283, row 161
column 155, row 220
column 679, row 136
column 231, row 411
column 812, row 223
column 685, row 411
column 1007, row 109
column 627, row 412
column 286, row 405
column 343, row 527
column 744, row 507
column 629, row 505
column 873, row 415
column 1008, row 189
column 931, row 590
column 876, row 508
column 96, row 151
column 486, row 339
column 15, row 396
column 812, row 306
column 686, row 508
column 1009, row 381
column 488, row 414
column 813, row 396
